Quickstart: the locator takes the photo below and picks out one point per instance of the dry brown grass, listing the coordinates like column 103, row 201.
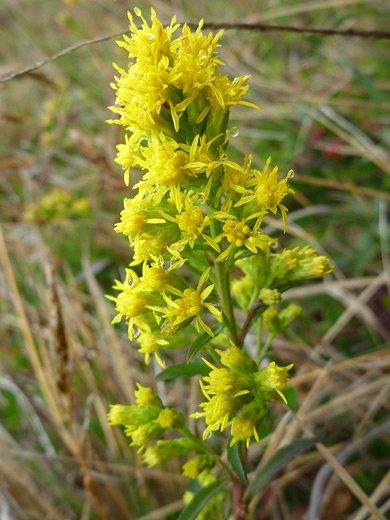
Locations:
column 63, row 363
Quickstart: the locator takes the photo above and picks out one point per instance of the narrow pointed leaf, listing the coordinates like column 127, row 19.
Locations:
column 236, row 459
column 201, row 498
column 183, row 370
column 281, row 458
column 202, row 340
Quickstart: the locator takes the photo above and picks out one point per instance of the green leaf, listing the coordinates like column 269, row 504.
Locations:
column 202, row 340
column 183, row 370
column 201, row 498
column 198, row 263
column 236, row 459
column 291, row 397
column 281, row 458
column 203, row 247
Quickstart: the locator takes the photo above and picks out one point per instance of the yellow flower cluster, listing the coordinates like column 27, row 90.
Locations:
column 147, row 421
column 276, row 271
column 56, row 205
column 142, row 301
column 195, row 206
column 174, row 84
column 237, row 394
column 174, row 104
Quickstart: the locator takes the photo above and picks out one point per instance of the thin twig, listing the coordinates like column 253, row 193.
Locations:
column 328, row 31
column 247, row 322
column 326, row 470
column 258, row 27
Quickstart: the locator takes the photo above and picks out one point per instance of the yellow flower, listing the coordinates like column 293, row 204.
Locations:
column 130, row 415
column 240, row 386
column 155, row 278
column 146, row 397
column 142, row 435
column 169, row 77
column 149, row 43
column 132, row 302
column 175, row 165
column 268, row 192
column 243, row 426
column 192, row 224
column 238, row 233
column 143, row 91
column 163, row 451
column 195, row 59
column 234, row 182
column 166, row 162
column 151, row 343
column 237, row 359
column 169, row 418
column 137, row 217
column 220, row 380
column 202, row 161
column 310, row 265
column 126, row 156
column 196, row 465
column 189, row 304
column 226, row 92
column 140, row 420
column 216, row 411
column 150, row 247
column 273, row 379
column 299, row 264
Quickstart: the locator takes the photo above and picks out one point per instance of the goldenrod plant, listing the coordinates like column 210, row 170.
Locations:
column 197, row 219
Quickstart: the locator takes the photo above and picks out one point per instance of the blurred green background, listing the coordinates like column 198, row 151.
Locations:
column 325, row 113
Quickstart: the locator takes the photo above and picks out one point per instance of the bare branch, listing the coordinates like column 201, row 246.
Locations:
column 258, row 27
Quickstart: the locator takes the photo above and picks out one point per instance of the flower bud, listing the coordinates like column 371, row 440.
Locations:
column 244, row 425
column 281, row 264
column 310, row 265
column 288, row 315
column 146, row 397
column 169, row 418
column 163, row 451
column 235, row 358
column 271, row 320
column 193, row 467
column 144, row 434
column 134, row 415
column 270, row 296
column 221, row 380
column 272, row 379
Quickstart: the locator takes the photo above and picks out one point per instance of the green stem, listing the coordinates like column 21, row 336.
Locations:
column 259, row 336
column 223, row 286
column 226, row 299
column 264, row 350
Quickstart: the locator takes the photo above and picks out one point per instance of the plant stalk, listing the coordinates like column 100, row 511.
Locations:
column 223, row 286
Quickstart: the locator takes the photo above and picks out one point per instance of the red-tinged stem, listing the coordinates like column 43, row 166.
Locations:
column 248, row 322
column 240, row 506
